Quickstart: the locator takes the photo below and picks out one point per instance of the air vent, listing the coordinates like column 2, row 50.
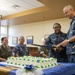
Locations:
column 15, row 6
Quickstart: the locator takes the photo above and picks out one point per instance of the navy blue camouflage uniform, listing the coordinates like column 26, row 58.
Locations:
column 21, row 50
column 71, row 46
column 55, row 39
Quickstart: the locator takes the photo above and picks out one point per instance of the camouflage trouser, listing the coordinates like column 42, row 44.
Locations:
column 71, row 58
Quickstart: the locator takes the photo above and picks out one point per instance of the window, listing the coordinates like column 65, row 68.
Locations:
column 3, row 32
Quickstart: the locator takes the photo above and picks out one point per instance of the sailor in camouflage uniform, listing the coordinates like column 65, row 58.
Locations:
column 70, row 42
column 54, row 39
column 5, row 50
column 21, row 48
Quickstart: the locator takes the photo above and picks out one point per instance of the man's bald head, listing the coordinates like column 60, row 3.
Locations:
column 69, row 11
column 69, row 7
column 22, row 39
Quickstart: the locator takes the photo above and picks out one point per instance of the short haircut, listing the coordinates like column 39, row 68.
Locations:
column 3, row 38
column 21, row 37
column 68, row 7
column 57, row 24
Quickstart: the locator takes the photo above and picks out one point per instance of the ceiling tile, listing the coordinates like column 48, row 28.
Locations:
column 34, row 3
column 6, row 6
column 21, row 3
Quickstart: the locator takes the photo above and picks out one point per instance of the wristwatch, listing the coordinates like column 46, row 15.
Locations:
column 68, row 41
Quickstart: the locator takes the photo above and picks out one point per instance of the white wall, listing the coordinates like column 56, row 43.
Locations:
column 37, row 29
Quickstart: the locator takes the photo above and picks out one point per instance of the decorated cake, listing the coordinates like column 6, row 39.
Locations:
column 40, row 62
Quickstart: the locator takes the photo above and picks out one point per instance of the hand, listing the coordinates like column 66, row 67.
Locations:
column 64, row 43
column 60, row 49
column 2, row 59
column 54, row 48
column 16, row 55
column 44, row 55
column 58, row 46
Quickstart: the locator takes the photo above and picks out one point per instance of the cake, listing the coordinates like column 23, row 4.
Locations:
column 40, row 62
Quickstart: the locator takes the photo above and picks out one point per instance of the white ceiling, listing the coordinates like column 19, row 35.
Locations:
column 32, row 10
column 7, row 6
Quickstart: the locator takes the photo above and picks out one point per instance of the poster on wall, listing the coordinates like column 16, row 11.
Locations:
column 14, row 40
column 29, row 39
